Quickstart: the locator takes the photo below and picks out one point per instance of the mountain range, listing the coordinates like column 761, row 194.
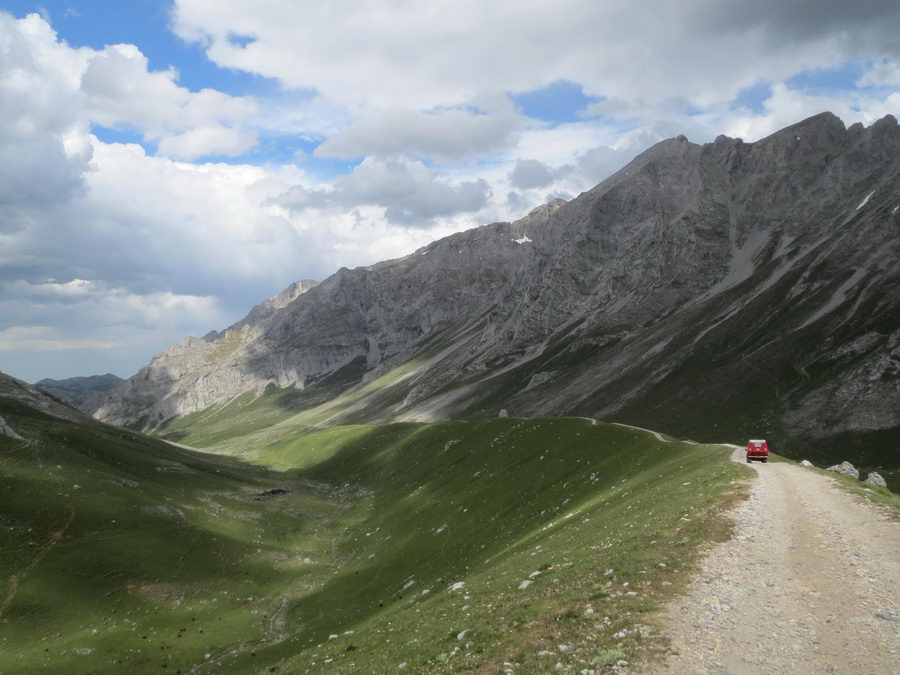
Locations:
column 81, row 392
column 713, row 291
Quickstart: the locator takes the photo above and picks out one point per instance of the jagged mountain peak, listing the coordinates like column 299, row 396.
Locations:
column 269, row 306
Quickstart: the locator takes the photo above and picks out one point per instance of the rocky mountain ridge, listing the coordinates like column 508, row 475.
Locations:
column 82, row 392
column 737, row 287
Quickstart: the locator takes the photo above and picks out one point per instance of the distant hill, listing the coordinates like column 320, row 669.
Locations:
column 82, row 392
column 720, row 292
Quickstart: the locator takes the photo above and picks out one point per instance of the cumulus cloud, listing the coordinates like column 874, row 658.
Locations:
column 442, row 134
column 149, row 224
column 883, row 73
column 119, row 89
column 531, row 173
column 409, row 192
column 536, row 182
column 36, row 164
column 211, row 140
column 662, row 70
column 703, row 51
column 568, row 158
column 49, row 88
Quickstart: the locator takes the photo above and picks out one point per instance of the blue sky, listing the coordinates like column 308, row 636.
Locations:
column 145, row 23
column 165, row 165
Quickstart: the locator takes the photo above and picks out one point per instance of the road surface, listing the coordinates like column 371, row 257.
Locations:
column 810, row 583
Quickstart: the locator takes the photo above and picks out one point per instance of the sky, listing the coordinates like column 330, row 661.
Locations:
column 165, row 165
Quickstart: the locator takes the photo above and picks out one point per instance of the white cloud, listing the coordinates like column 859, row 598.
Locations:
column 78, row 327
column 120, row 90
column 46, row 338
column 37, row 74
column 531, row 173
column 406, row 72
column 409, row 192
column 210, row 140
column 883, row 73
column 421, row 55
column 48, row 88
column 443, row 134
column 785, row 106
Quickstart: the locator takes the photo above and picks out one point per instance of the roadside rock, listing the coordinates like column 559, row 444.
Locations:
column 845, row 468
column 875, row 478
column 807, row 463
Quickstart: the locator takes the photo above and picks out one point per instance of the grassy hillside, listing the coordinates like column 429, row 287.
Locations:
column 460, row 517
column 345, row 549
column 119, row 551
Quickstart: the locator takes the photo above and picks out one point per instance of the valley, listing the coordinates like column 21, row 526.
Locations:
column 448, row 546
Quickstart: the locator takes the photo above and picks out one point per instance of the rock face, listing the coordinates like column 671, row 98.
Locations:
column 82, row 392
column 874, row 478
column 267, row 308
column 747, row 287
column 845, row 468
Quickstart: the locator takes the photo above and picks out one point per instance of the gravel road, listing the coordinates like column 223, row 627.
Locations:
column 810, row 583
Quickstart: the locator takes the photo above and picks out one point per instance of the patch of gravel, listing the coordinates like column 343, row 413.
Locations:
column 810, row 583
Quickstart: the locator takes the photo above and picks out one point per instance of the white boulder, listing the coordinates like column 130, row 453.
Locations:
column 845, row 468
column 875, row 478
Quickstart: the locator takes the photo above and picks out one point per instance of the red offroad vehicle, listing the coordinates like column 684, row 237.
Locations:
column 757, row 450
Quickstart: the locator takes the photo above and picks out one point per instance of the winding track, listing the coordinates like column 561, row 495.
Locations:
column 656, row 434
column 810, row 583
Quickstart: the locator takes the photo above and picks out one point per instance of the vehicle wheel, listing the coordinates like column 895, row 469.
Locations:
column 749, row 460
column 765, row 460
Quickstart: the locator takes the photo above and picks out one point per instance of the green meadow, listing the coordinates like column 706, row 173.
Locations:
column 533, row 544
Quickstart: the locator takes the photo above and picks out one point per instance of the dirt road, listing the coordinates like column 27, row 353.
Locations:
column 810, row 583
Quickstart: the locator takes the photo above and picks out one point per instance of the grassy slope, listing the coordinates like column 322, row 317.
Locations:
column 594, row 509
column 153, row 578
column 118, row 551
column 417, row 478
